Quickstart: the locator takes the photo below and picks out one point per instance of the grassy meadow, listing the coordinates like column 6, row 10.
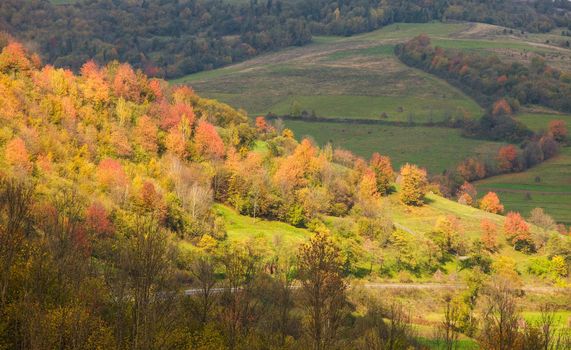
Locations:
column 435, row 148
column 547, row 185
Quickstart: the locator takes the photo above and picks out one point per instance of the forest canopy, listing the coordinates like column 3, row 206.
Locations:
column 172, row 38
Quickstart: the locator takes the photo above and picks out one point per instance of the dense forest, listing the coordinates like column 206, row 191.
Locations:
column 172, row 38
column 107, row 193
column 488, row 79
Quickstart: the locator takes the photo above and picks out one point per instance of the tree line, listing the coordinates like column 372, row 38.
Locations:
column 171, row 38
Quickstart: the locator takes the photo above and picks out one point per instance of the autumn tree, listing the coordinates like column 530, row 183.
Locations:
column 507, row 158
column 151, row 201
column 491, row 203
column 413, row 185
column 471, row 169
column 207, row 141
column 517, row 232
column 558, row 130
column 176, row 143
column 17, row 155
column 171, row 115
column 322, row 290
column 384, row 173
column 145, row 134
column 447, row 234
column 489, row 235
column 13, row 58
column 110, row 172
column 125, row 83
column 94, row 86
column 368, row 186
column 501, row 107
column 467, row 194
column 261, row 125
column 97, row 220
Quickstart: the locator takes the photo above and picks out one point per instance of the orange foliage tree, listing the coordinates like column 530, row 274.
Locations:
column 466, row 194
column 558, row 130
column 261, row 124
column 13, row 58
column 368, row 185
column 384, row 172
column 517, row 232
column 176, row 143
column 207, row 141
column 17, row 155
column 489, row 235
column 94, row 87
column 471, row 169
column 172, row 115
column 110, row 173
column 507, row 158
column 491, row 203
column 145, row 134
column 501, row 107
column 125, row 83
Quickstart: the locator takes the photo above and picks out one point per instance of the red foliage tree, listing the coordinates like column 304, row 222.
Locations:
column 145, row 134
column 558, row 130
column 491, row 203
column 97, row 220
column 502, row 79
column 172, row 115
column 517, row 231
column 507, row 158
column 125, row 83
column 207, row 141
column 261, row 124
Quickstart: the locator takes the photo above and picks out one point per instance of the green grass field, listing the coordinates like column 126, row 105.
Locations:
column 432, row 147
column 244, row 228
column 540, row 121
column 522, row 191
column 357, row 77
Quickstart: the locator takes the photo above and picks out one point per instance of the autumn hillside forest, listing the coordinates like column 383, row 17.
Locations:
column 285, row 174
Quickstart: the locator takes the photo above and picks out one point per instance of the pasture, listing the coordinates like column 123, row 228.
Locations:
column 435, row 148
column 547, row 185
